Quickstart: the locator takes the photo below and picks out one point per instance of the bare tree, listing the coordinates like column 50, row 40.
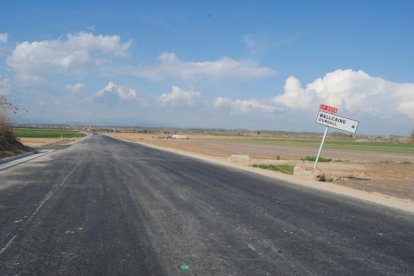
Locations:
column 8, row 143
column 6, row 110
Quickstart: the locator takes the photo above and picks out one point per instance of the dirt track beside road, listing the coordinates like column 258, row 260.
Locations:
column 42, row 142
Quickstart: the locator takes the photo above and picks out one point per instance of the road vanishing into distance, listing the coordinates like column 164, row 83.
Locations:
column 107, row 207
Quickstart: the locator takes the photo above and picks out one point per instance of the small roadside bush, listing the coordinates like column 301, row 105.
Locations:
column 283, row 168
column 313, row 158
column 386, row 162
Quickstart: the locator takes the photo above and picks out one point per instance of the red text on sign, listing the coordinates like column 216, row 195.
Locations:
column 328, row 108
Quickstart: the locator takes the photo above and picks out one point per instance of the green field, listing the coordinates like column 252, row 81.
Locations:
column 334, row 144
column 45, row 133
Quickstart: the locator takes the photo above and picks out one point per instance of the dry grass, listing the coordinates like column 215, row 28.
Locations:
column 39, row 142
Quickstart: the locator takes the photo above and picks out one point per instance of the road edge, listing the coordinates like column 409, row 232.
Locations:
column 406, row 205
column 8, row 162
column 18, row 160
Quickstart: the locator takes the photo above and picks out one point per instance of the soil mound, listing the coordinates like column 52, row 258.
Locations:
column 9, row 145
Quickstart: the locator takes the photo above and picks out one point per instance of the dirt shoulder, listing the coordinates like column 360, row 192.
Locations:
column 45, row 142
column 384, row 178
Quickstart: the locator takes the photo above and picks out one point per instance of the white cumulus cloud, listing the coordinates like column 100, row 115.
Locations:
column 294, row 96
column 68, row 53
column 244, row 106
column 407, row 108
column 222, row 103
column 252, row 106
column 122, row 92
column 178, row 97
column 225, row 67
column 75, row 87
column 405, row 99
column 350, row 91
column 4, row 38
column 103, row 43
column 353, row 92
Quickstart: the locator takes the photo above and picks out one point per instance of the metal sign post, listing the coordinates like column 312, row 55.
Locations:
column 320, row 148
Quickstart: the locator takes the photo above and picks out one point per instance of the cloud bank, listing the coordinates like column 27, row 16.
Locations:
column 67, row 54
column 371, row 100
column 225, row 67
column 351, row 91
column 123, row 93
column 244, row 106
column 180, row 98
column 357, row 94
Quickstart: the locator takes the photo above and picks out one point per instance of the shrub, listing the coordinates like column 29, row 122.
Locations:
column 6, row 110
column 313, row 158
column 283, row 168
column 9, row 145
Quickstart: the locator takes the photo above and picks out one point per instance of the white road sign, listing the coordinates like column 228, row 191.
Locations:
column 335, row 121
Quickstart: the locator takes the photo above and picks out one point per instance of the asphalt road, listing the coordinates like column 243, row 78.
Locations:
column 107, row 207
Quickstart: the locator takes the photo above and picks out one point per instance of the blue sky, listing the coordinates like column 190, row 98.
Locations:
column 208, row 64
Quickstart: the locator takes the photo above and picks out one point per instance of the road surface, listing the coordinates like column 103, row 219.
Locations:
column 107, row 207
